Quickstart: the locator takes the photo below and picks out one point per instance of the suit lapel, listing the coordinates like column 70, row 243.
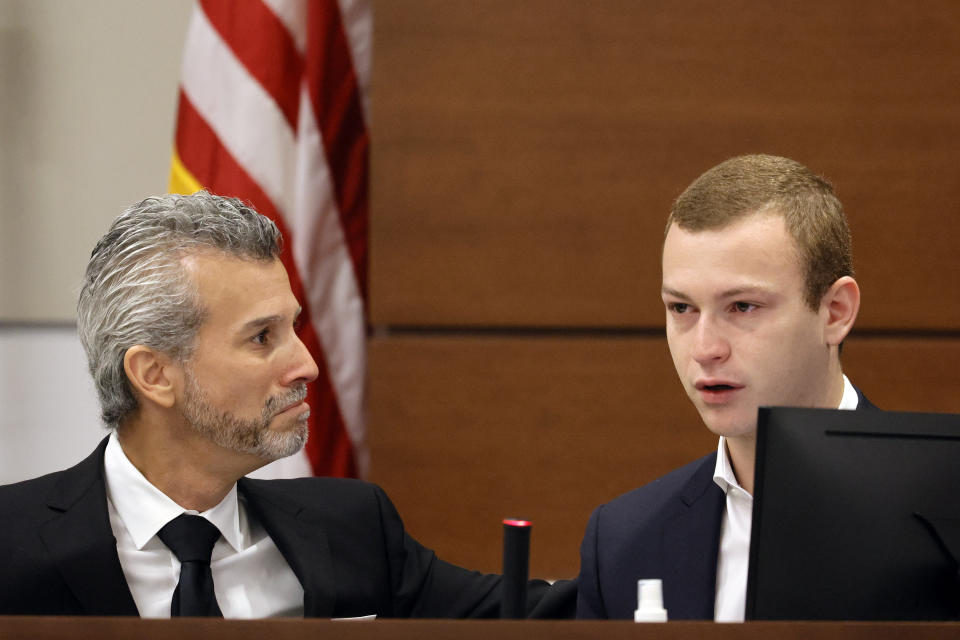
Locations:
column 81, row 542
column 690, row 545
column 302, row 542
column 863, row 404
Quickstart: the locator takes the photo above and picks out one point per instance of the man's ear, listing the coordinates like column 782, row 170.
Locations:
column 150, row 373
column 839, row 307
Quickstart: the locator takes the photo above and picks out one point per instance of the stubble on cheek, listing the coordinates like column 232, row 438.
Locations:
column 252, row 436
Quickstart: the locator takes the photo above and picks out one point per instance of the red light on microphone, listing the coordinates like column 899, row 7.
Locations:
column 517, row 523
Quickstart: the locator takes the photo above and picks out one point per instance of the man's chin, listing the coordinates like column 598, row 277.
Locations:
column 728, row 424
column 281, row 444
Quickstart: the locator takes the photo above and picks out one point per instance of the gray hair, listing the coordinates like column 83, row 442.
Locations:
column 137, row 291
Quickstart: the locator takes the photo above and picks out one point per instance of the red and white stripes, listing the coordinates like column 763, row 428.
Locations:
column 272, row 110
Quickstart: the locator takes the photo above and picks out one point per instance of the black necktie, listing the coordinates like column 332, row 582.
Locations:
column 191, row 538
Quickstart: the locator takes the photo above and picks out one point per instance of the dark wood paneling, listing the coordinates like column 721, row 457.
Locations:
column 906, row 374
column 525, row 153
column 465, row 431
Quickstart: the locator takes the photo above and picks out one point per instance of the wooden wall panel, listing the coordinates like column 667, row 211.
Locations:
column 906, row 374
column 465, row 431
column 525, row 153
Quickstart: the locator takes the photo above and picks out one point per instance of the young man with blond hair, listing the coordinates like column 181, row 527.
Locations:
column 759, row 295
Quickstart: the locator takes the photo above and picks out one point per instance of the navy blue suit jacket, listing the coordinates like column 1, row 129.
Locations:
column 668, row 529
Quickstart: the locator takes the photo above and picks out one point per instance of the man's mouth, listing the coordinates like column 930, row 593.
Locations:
column 711, row 385
column 279, row 404
column 290, row 406
column 717, row 391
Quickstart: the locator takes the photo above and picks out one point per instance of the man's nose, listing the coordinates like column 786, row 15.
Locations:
column 710, row 344
column 304, row 367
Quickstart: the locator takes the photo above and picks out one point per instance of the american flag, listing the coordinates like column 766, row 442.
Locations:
column 272, row 110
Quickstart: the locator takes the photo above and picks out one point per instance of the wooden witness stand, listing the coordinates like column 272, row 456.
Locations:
column 53, row 628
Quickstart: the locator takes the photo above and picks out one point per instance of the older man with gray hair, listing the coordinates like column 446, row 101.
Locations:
column 190, row 328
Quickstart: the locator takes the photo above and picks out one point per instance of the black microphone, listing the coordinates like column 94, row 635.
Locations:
column 516, row 568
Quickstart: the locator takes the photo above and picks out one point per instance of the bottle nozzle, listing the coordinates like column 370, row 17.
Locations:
column 650, row 602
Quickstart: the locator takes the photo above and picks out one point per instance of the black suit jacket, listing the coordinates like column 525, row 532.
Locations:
column 668, row 529
column 342, row 538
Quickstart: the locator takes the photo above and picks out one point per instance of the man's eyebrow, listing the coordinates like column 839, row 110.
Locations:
column 673, row 292
column 259, row 322
column 729, row 293
column 267, row 320
column 739, row 291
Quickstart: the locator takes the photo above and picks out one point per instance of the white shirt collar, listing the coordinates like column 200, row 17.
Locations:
column 723, row 474
column 850, row 399
column 144, row 509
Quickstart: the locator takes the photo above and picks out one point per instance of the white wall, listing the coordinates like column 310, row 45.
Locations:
column 49, row 416
column 88, row 92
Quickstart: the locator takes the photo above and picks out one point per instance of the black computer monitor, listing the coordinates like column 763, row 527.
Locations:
column 856, row 516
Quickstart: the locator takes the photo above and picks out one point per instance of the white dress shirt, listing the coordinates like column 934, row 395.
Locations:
column 251, row 578
column 734, row 555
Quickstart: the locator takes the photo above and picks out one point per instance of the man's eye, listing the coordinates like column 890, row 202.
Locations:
column 297, row 325
column 261, row 338
column 678, row 307
column 743, row 307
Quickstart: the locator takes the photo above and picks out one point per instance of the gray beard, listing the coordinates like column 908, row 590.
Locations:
column 246, row 436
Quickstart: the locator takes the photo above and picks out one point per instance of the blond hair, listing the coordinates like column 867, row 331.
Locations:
column 751, row 184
